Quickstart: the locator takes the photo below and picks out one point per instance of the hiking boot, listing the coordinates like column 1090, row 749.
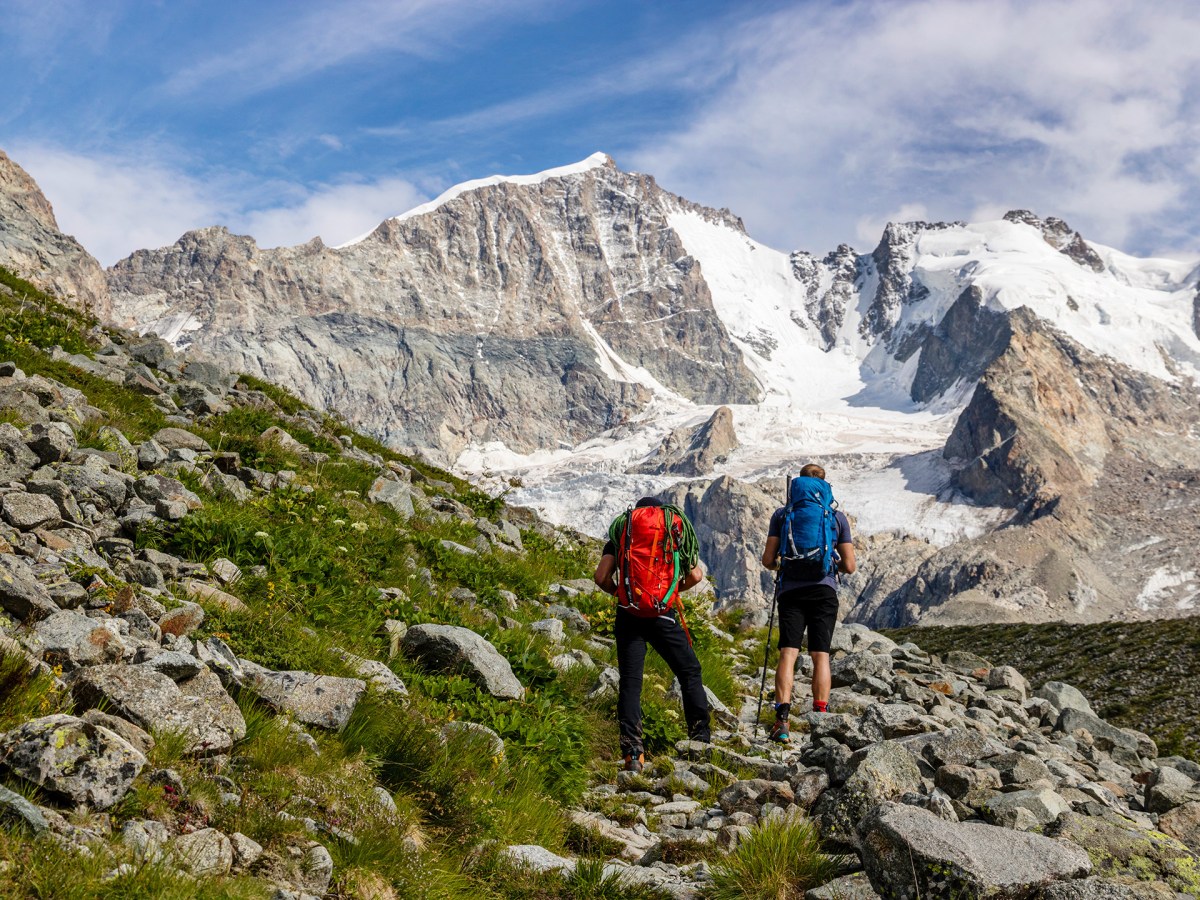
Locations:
column 779, row 732
column 634, row 763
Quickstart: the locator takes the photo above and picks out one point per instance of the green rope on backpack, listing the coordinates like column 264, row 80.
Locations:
column 689, row 545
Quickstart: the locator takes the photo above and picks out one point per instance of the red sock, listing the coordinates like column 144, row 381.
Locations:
column 820, row 706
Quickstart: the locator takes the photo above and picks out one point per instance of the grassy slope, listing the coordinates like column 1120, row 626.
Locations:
column 1142, row 675
column 326, row 552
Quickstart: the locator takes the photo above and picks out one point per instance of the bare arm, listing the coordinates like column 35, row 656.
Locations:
column 846, row 563
column 605, row 573
column 770, row 557
column 692, row 578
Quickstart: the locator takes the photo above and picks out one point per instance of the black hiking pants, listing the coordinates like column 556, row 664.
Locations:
column 669, row 641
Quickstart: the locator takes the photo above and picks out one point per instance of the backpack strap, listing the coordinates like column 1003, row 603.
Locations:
column 623, row 557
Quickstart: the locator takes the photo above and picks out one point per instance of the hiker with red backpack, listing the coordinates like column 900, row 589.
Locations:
column 808, row 543
column 650, row 558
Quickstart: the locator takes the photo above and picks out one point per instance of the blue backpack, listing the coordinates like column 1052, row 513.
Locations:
column 808, row 538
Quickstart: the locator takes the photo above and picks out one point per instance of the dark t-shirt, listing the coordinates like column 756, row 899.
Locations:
column 843, row 537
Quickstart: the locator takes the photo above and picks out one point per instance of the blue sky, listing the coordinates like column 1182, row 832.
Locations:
column 817, row 122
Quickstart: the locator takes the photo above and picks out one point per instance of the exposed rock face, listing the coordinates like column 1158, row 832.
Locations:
column 1062, row 237
column 960, row 347
column 33, row 247
column 827, row 308
column 484, row 319
column 892, row 261
column 1047, row 413
column 694, row 451
column 730, row 518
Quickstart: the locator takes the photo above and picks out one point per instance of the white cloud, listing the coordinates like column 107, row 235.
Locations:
column 839, row 114
column 337, row 212
column 117, row 204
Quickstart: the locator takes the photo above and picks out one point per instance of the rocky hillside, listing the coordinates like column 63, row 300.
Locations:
column 31, row 243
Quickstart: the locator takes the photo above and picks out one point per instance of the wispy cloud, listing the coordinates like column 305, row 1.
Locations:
column 841, row 114
column 324, row 35
column 117, row 204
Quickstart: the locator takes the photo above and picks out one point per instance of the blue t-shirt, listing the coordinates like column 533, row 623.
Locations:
column 843, row 537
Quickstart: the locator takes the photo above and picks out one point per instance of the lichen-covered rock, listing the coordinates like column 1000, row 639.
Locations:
column 910, row 852
column 206, row 853
column 1105, row 889
column 72, row 640
column 325, row 701
column 72, row 759
column 885, row 771
column 198, row 708
column 1120, row 848
column 25, row 511
column 22, row 596
column 452, row 649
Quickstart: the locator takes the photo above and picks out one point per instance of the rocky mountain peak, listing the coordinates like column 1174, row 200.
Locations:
column 1061, row 237
column 892, row 262
column 33, row 247
column 532, row 311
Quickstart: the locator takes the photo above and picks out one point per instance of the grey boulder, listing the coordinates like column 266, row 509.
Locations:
column 454, row 650
column 908, row 851
column 856, row 667
column 22, row 596
column 72, row 759
column 325, row 701
column 72, row 640
column 204, row 854
column 15, row 809
column 198, row 708
column 26, row 512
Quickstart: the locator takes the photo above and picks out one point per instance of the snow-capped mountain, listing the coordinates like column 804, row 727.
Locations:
column 1003, row 407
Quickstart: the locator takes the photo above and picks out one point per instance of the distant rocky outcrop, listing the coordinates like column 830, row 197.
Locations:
column 731, row 519
column 1061, row 236
column 694, row 451
column 33, row 247
column 1047, row 413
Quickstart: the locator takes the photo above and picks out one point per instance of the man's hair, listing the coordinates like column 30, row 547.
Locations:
column 812, row 470
column 648, row 501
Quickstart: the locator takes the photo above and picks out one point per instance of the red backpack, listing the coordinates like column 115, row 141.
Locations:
column 649, row 560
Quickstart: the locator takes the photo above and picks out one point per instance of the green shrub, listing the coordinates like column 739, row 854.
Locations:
column 779, row 860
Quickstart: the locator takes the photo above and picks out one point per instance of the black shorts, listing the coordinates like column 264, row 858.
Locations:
column 815, row 607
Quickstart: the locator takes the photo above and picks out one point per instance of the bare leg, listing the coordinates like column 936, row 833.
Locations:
column 820, row 679
column 785, row 672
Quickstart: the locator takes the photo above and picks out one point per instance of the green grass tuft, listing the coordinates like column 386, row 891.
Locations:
column 779, row 860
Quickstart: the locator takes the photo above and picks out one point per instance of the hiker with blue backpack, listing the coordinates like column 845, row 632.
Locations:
column 651, row 557
column 808, row 544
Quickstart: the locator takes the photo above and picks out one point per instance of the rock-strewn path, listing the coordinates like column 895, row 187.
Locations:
column 937, row 777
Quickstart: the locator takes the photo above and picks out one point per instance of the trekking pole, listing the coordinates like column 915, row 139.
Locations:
column 762, row 688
